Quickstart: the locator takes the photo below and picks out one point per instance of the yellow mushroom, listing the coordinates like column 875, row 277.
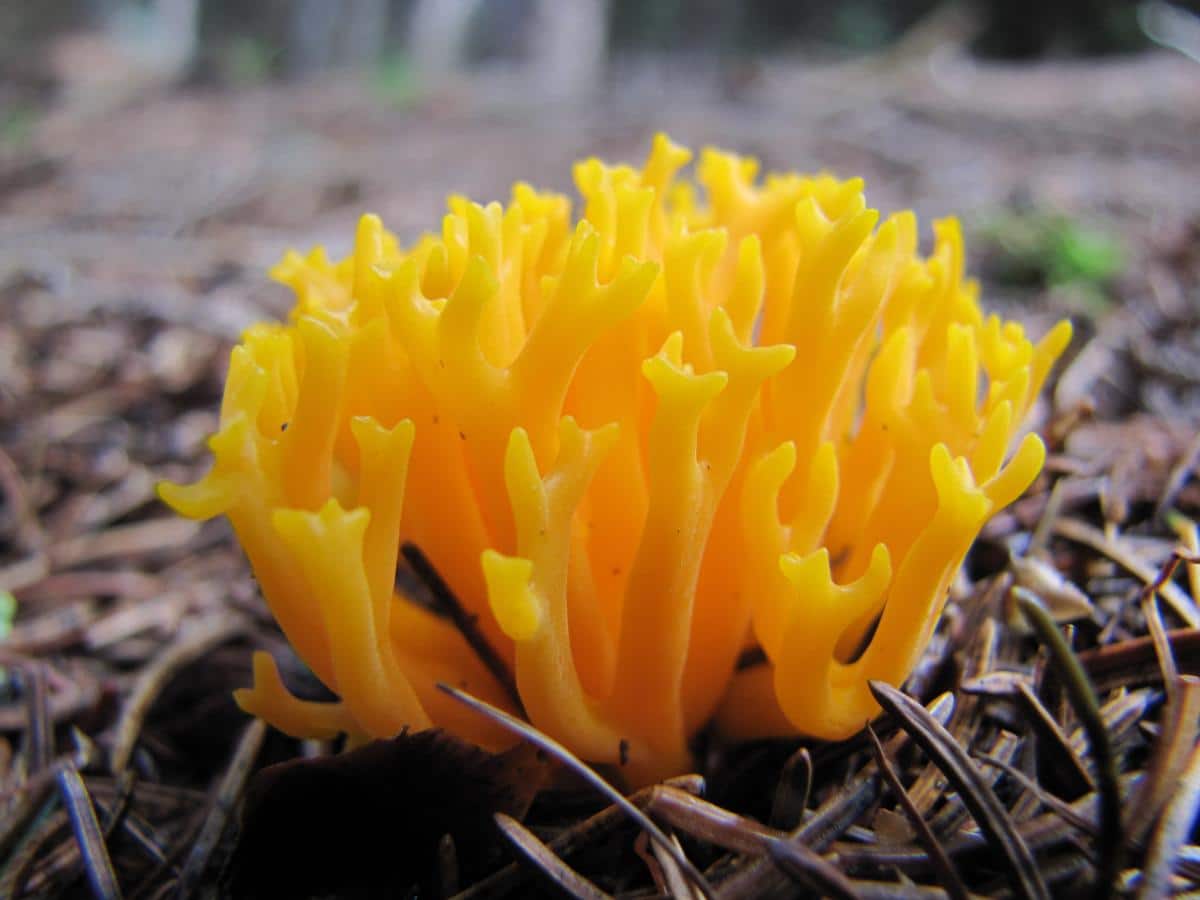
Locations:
column 708, row 416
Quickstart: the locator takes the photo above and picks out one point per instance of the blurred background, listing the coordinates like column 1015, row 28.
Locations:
column 153, row 145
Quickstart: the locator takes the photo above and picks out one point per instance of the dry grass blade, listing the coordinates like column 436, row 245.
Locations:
column 792, row 792
column 963, row 718
column 467, row 624
column 118, row 813
column 989, row 813
column 1154, row 623
column 1162, row 644
column 20, row 808
column 945, row 870
column 52, row 632
column 1040, row 538
column 1087, row 708
column 188, row 648
column 96, row 862
column 675, row 881
column 828, row 821
column 1062, row 597
column 810, row 869
column 114, row 812
column 13, row 489
column 1041, row 833
column 25, row 572
column 762, row 877
column 125, row 541
column 1172, row 832
column 40, row 731
column 75, row 692
column 1180, row 724
column 153, row 884
column 1189, row 536
column 1073, row 774
column 563, row 755
column 230, row 789
column 1092, row 537
column 1134, row 662
column 1064, row 809
column 891, row 890
column 45, row 858
column 1178, row 476
column 544, row 859
column 708, row 822
column 667, row 880
column 590, row 830
column 1121, row 716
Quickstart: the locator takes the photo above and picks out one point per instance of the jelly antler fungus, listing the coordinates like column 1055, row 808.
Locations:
column 695, row 422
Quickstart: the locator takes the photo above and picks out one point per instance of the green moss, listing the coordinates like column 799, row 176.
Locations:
column 1050, row 250
column 392, row 80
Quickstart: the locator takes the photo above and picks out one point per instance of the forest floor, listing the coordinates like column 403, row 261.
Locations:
column 135, row 233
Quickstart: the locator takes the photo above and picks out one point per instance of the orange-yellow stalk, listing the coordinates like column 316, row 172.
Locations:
column 706, row 416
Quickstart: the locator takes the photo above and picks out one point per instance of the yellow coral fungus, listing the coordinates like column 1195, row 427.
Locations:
column 696, row 421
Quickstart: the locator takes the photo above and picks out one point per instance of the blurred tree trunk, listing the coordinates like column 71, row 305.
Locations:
column 437, row 36
column 566, row 43
column 324, row 35
column 569, row 44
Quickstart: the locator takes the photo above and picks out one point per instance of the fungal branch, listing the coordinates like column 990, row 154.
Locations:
column 708, row 415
